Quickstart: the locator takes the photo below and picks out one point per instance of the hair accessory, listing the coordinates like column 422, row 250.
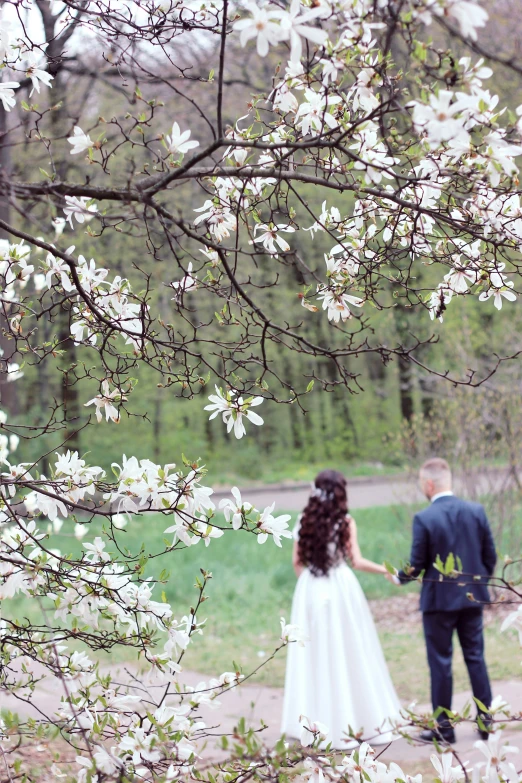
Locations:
column 322, row 495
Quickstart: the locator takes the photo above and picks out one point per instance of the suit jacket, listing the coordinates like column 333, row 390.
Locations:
column 450, row 524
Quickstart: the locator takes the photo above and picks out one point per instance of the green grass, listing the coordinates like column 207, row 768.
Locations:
column 405, row 654
column 275, row 471
column 252, row 588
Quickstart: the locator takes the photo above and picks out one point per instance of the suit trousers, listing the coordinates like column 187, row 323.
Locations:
column 438, row 632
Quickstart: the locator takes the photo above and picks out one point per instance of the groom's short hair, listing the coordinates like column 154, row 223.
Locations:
column 438, row 470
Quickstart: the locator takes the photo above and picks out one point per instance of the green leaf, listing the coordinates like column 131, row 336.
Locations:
column 479, row 704
column 310, row 386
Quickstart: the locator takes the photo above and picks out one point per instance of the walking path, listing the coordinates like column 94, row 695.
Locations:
column 364, row 492
column 262, row 705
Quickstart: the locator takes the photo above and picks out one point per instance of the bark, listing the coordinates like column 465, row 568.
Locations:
column 59, row 127
column 8, row 396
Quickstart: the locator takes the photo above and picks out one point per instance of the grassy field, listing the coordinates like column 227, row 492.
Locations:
column 252, row 588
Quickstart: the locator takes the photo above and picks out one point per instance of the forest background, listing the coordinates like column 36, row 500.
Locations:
column 394, row 413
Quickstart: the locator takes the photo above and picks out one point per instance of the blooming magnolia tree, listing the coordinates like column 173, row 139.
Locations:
column 367, row 146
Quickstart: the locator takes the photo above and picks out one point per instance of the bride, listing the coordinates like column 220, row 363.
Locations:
column 339, row 677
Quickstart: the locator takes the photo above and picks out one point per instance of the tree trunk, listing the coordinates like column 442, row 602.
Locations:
column 8, row 396
column 406, row 388
column 59, row 126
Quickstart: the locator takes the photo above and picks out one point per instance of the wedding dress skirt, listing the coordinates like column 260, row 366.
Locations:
column 340, row 677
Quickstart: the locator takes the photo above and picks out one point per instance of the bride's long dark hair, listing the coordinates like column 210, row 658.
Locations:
column 324, row 533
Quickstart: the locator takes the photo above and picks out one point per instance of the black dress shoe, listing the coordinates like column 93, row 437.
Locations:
column 428, row 735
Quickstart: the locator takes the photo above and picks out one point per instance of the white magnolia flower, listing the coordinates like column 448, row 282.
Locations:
column 105, row 401
column 14, row 372
column 233, row 410
column 439, row 121
column 7, row 39
column 220, row 220
column 502, row 153
column 446, row 773
column 23, row 272
column 178, row 142
column 35, row 73
column 514, row 620
column 311, row 731
column 292, row 633
column 306, row 304
column 360, row 765
column 331, row 68
column 206, row 531
column 277, row 527
column 87, row 766
column 284, row 101
column 79, row 208
column 90, row 275
column 187, row 283
column 7, row 94
column 314, row 114
column 97, row 550
column 498, row 294
column 460, row 277
column 468, row 14
column 140, row 746
column 270, row 236
column 338, row 303
column 261, row 26
column 499, row 705
column 438, row 301
column 80, row 141
column 106, row 762
column 373, row 154
column 234, row 510
column 496, row 757
column 59, row 226
column 119, row 521
column 211, row 255
column 474, row 74
column 294, row 26
column 57, row 525
column 313, row 770
column 80, row 530
column 56, row 772
column 55, row 266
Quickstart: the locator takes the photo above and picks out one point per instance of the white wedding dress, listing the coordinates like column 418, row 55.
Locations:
column 340, row 677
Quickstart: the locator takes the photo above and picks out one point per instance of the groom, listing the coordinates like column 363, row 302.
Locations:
column 451, row 525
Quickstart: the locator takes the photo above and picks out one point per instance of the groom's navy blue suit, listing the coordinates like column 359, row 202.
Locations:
column 453, row 525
